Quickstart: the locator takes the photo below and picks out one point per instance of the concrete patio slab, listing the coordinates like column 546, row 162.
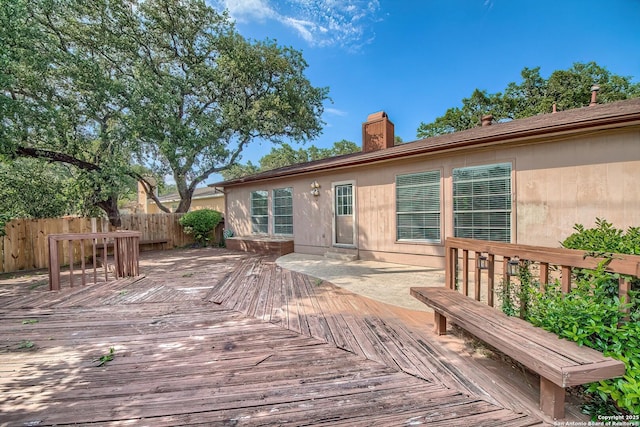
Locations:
column 381, row 281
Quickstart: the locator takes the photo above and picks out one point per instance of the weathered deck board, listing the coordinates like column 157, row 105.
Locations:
column 400, row 339
column 180, row 359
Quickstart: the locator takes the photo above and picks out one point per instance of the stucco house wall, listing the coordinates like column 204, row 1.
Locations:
column 556, row 182
column 577, row 181
column 203, row 198
column 212, row 202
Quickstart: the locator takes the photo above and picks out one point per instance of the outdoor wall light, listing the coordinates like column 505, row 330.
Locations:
column 483, row 264
column 315, row 189
column 513, row 267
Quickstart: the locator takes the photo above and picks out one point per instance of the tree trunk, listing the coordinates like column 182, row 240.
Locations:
column 186, row 193
column 184, row 205
column 110, row 206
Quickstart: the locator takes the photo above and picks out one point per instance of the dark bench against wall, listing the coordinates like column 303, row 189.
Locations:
column 260, row 244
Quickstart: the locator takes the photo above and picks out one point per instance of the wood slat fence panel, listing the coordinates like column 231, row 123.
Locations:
column 25, row 246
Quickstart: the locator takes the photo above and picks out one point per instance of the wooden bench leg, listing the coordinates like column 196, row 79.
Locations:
column 551, row 399
column 440, row 323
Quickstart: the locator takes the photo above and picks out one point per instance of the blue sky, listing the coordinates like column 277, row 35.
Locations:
column 415, row 59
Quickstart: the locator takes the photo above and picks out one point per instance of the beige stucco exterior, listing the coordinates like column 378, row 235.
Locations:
column 210, row 202
column 556, row 183
column 203, row 198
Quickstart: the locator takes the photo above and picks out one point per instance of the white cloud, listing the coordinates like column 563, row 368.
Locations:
column 344, row 23
column 305, row 29
column 335, row 111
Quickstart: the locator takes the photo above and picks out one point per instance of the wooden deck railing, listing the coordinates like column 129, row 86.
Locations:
column 126, row 255
column 461, row 252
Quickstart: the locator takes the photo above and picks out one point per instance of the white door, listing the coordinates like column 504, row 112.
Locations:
column 344, row 225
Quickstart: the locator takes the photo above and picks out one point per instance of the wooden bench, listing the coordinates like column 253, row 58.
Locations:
column 142, row 243
column 154, row 242
column 560, row 363
column 268, row 245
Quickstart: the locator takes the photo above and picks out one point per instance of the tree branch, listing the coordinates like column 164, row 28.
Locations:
column 56, row 157
column 205, row 174
column 148, row 189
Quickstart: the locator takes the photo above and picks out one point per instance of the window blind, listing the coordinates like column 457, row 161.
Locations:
column 482, row 202
column 259, row 212
column 418, row 206
column 283, row 211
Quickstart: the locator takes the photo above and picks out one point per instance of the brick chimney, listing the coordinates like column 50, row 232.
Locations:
column 377, row 132
column 594, row 95
column 486, row 120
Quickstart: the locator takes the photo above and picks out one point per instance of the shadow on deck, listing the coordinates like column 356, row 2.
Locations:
column 225, row 338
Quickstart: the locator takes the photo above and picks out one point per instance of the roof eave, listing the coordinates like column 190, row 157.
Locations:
column 533, row 135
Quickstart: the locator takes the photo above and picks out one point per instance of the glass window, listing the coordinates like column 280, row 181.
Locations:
column 344, row 200
column 418, row 206
column 482, row 202
column 283, row 211
column 259, row 212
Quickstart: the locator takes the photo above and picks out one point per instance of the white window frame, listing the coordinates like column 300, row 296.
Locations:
column 254, row 216
column 482, row 203
column 418, row 203
column 278, row 217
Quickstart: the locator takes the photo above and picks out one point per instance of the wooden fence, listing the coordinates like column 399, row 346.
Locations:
column 24, row 247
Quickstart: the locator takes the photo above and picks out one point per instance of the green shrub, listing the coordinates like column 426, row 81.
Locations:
column 507, row 297
column 593, row 315
column 516, row 296
column 201, row 224
column 604, row 238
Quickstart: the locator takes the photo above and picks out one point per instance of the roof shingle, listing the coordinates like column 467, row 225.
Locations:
column 615, row 114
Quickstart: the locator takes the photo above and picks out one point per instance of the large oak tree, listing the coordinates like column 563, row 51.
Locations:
column 111, row 85
column 534, row 95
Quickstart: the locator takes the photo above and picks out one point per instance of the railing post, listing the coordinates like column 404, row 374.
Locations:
column 476, row 277
column 116, row 258
column 105, row 253
column 94, row 255
column 136, row 249
column 450, row 260
column 544, row 276
column 71, row 263
column 566, row 279
column 465, row 272
column 490, row 279
column 54, row 265
column 454, row 267
column 82, row 263
column 624, row 286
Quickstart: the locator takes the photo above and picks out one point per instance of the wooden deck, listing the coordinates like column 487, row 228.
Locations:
column 215, row 337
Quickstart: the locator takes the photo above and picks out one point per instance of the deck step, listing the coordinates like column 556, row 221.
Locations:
column 341, row 256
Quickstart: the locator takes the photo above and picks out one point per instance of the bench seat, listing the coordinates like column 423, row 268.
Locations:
column 141, row 243
column 262, row 244
column 560, row 363
column 154, row 242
